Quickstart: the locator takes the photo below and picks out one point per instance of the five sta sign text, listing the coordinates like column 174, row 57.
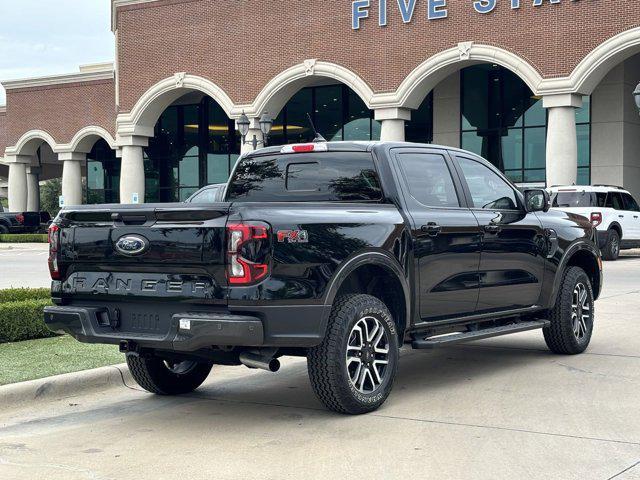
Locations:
column 436, row 9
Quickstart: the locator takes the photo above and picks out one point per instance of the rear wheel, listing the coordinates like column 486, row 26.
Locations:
column 611, row 250
column 353, row 369
column 573, row 315
column 164, row 377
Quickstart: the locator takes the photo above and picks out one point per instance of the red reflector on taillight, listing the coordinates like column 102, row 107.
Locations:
column 596, row 218
column 247, row 240
column 54, row 245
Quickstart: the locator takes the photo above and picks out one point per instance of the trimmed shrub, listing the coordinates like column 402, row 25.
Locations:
column 23, row 320
column 21, row 294
column 24, row 238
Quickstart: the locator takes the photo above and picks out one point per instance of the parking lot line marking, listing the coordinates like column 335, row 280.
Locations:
column 625, row 470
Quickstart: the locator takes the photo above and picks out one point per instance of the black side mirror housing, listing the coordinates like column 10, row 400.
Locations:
column 537, row 200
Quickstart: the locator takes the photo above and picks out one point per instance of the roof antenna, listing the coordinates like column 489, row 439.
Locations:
column 318, row 138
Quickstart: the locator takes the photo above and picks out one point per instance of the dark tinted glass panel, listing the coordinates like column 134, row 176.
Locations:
column 357, row 125
column 630, row 203
column 429, row 179
column 298, row 130
column 614, row 200
column 328, row 176
column 103, row 175
column 488, row 190
column 576, row 199
column 420, row 128
column 505, row 123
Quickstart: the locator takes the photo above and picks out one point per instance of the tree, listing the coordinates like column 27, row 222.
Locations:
column 50, row 192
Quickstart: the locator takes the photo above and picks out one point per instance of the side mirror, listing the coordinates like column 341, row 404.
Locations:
column 537, row 200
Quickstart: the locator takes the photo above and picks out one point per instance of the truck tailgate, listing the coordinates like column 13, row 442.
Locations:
column 146, row 251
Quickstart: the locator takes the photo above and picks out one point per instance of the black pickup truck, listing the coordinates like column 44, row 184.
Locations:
column 19, row 222
column 340, row 252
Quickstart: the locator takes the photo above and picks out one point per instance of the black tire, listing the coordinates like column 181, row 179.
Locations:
column 611, row 250
column 4, row 229
column 564, row 336
column 156, row 376
column 331, row 372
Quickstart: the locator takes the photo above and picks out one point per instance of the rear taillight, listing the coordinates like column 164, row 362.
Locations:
column 248, row 252
column 304, row 148
column 20, row 218
column 54, row 245
column 596, row 218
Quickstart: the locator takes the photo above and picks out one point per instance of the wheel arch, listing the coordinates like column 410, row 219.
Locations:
column 585, row 256
column 617, row 227
column 379, row 274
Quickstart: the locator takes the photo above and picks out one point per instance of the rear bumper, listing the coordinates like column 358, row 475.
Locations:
column 187, row 332
column 272, row 326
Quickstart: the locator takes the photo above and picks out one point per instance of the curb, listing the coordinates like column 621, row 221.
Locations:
column 62, row 386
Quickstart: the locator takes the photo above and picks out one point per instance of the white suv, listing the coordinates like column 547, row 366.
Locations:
column 612, row 210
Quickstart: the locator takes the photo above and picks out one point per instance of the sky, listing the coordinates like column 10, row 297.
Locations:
column 48, row 37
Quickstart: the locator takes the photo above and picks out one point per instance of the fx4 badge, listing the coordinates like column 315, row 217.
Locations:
column 293, row 236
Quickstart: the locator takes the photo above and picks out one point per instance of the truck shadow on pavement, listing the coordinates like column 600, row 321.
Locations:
column 255, row 396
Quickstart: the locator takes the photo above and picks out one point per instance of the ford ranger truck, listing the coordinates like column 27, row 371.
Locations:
column 340, row 252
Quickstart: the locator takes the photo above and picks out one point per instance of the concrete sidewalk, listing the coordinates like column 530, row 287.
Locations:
column 502, row 408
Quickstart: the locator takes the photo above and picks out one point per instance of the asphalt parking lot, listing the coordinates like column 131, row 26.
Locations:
column 24, row 265
column 500, row 408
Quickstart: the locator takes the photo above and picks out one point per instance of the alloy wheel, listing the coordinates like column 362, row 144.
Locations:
column 367, row 356
column 180, row 368
column 580, row 311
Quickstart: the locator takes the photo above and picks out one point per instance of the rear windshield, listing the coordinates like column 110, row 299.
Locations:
column 306, row 177
column 579, row 199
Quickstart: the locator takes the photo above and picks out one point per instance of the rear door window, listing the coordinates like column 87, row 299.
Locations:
column 578, row 199
column 428, row 179
column 320, row 176
column 614, row 200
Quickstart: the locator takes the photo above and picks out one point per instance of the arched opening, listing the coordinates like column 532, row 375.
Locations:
column 339, row 113
column 502, row 120
column 102, row 174
column 194, row 144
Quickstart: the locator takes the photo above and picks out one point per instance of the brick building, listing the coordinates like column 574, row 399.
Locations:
column 542, row 88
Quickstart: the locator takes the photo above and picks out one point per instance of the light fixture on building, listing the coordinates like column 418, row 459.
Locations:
column 265, row 122
column 636, row 95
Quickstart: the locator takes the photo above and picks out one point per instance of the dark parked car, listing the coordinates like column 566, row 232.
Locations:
column 18, row 222
column 340, row 252
column 209, row 194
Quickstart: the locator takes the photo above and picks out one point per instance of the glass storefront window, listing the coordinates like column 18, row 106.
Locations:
column 194, row 145
column 505, row 123
column 103, row 175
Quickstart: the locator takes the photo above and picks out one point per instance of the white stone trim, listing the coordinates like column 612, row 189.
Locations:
column 415, row 87
column 141, row 120
column 84, row 140
column 53, row 80
column 562, row 100
column 3, row 109
column 392, row 113
column 283, row 86
column 27, row 144
column 594, row 67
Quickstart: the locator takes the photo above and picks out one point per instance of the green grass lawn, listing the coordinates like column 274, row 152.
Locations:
column 33, row 359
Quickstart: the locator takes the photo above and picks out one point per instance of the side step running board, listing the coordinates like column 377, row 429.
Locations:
column 453, row 338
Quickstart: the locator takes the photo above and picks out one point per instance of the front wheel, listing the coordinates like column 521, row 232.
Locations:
column 164, row 377
column 573, row 315
column 353, row 369
column 611, row 250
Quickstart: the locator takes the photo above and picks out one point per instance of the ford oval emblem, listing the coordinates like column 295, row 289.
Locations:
column 131, row 245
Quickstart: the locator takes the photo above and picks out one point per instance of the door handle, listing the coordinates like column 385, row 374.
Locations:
column 492, row 228
column 620, row 216
column 635, row 216
column 432, row 228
